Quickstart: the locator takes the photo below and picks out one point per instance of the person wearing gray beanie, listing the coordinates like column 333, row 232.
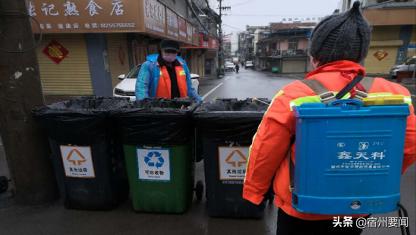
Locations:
column 341, row 37
column 338, row 46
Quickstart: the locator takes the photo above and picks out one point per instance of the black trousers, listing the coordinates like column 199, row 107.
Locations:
column 289, row 225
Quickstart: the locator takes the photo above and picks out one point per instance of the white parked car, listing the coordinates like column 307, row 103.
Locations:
column 249, row 64
column 229, row 67
column 127, row 86
column 409, row 66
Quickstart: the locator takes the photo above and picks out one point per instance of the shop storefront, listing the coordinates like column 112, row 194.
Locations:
column 86, row 45
column 203, row 56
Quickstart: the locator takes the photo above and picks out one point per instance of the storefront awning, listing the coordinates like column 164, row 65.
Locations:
column 205, row 42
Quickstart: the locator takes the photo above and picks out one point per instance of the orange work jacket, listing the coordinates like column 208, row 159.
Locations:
column 268, row 162
column 164, row 84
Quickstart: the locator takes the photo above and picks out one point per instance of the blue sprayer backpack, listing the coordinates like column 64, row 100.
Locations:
column 348, row 155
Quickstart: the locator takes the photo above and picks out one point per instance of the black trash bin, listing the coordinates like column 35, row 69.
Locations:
column 87, row 160
column 225, row 129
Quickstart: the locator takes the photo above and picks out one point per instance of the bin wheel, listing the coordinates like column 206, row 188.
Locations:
column 199, row 190
column 4, row 184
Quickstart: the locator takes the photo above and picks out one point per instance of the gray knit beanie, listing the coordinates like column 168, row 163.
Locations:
column 341, row 37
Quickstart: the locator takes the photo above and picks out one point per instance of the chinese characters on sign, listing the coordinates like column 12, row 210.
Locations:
column 172, row 23
column 77, row 161
column 182, row 29
column 189, row 32
column 31, row 9
column 49, row 9
column 93, row 8
column 302, row 19
column 153, row 164
column 88, row 16
column 96, row 16
column 233, row 162
column 154, row 14
column 362, row 158
column 117, row 8
column 70, row 9
column 370, row 222
column 202, row 41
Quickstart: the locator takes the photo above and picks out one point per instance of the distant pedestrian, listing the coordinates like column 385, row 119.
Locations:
column 237, row 67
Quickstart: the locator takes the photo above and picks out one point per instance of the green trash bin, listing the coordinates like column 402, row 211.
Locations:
column 275, row 69
column 157, row 140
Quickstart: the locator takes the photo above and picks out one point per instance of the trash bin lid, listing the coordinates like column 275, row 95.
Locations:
column 156, row 121
column 233, row 108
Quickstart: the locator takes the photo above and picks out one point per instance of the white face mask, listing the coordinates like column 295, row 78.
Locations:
column 169, row 57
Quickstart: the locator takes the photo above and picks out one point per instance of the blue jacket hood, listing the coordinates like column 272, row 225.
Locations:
column 152, row 57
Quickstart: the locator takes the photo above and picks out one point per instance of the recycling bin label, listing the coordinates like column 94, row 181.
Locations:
column 153, row 164
column 77, row 161
column 232, row 162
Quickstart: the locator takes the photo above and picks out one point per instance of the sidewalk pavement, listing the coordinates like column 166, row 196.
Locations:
column 55, row 219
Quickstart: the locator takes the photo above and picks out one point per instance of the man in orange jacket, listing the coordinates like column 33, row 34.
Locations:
column 338, row 45
column 165, row 75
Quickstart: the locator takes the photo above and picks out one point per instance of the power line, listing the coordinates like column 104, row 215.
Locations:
column 241, row 3
column 258, row 15
column 196, row 16
column 206, row 1
column 230, row 26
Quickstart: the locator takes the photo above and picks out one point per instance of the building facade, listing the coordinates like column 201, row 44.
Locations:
column 393, row 36
column 247, row 41
column 205, row 53
column 285, row 49
column 87, row 44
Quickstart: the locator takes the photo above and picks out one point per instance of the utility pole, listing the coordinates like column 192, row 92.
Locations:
column 220, row 49
column 221, row 46
column 25, row 145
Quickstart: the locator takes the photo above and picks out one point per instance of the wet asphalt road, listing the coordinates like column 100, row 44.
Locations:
column 245, row 84
column 54, row 219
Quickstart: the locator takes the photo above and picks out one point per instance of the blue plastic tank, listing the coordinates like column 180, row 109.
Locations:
column 348, row 157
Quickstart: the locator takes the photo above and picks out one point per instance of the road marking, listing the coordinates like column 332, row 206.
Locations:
column 226, row 79
column 211, row 91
